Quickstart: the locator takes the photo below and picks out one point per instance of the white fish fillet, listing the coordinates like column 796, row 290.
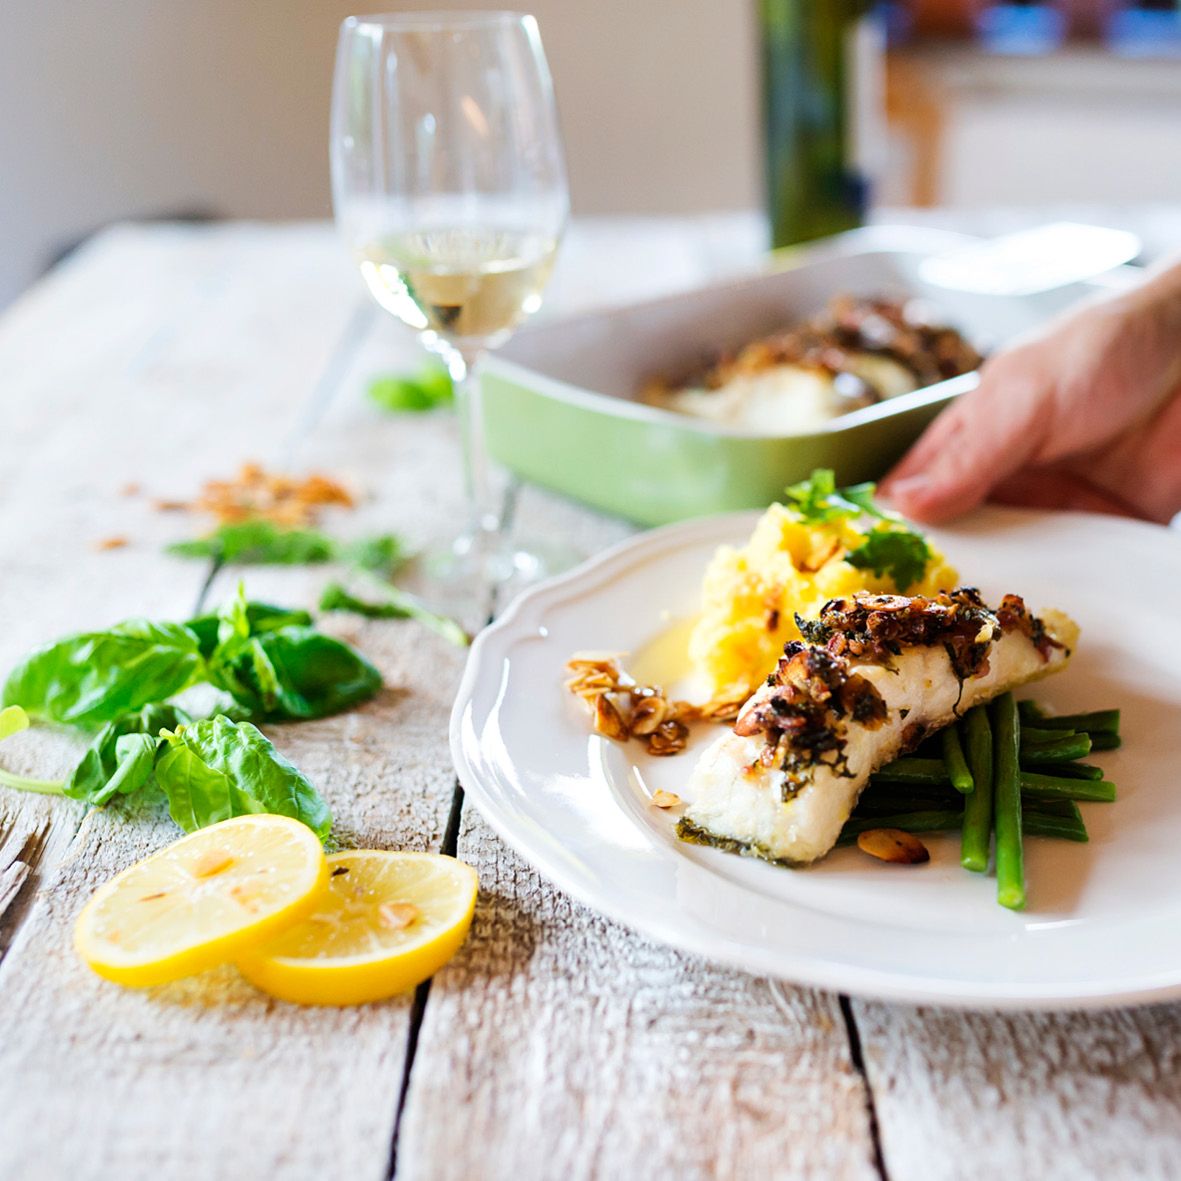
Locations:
column 738, row 803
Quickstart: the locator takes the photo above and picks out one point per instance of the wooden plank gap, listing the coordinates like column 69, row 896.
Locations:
column 422, row 993
column 858, row 1060
column 20, row 854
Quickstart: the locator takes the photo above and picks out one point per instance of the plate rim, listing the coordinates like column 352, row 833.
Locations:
column 817, row 972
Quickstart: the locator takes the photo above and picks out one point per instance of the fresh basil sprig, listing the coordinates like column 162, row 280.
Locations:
column 208, row 770
column 214, row 769
column 260, row 617
column 120, row 759
column 891, row 548
column 269, row 659
column 427, row 389
column 96, row 677
column 286, row 672
column 395, row 603
column 263, row 543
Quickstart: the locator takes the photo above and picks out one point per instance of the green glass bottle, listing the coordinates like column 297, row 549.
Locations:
column 816, row 58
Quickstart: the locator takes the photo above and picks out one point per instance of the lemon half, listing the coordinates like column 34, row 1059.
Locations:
column 202, row 901
column 385, row 922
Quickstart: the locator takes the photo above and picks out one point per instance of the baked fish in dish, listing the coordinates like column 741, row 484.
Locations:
column 873, row 676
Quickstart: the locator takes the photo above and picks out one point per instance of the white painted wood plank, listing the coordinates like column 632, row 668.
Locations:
column 210, row 1076
column 1040, row 1096
column 559, row 1044
column 578, row 1049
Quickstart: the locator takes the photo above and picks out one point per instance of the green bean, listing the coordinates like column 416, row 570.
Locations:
column 1063, row 809
column 1030, row 711
column 904, row 797
column 1053, row 787
column 1031, row 735
column 1064, row 749
column 1071, row 770
column 977, row 831
column 1102, row 740
column 1099, row 721
column 1042, row 824
column 954, row 762
column 911, row 770
column 1038, row 824
column 1010, row 865
column 937, row 820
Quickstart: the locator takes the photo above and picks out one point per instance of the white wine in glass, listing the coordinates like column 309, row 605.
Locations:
column 449, row 186
column 462, row 284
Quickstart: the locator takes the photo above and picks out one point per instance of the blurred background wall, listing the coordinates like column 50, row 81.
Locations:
column 144, row 108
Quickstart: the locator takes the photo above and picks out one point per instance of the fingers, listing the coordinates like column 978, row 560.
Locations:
column 977, row 442
column 1054, row 489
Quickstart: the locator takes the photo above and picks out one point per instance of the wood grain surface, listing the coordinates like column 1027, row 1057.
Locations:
column 557, row 1044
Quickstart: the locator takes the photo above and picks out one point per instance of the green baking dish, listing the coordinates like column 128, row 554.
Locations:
column 559, row 406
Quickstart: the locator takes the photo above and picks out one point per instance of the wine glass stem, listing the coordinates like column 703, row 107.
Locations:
column 482, row 509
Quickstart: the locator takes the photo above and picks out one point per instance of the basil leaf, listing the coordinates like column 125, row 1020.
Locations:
column 383, row 554
column 214, row 769
column 899, row 553
column 292, row 673
column 104, row 769
column 88, row 679
column 430, row 387
column 135, row 755
column 260, row 617
column 395, row 604
column 259, row 543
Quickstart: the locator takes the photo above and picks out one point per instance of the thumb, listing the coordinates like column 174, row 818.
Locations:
column 978, row 441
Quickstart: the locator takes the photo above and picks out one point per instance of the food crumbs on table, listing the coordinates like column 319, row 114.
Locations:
column 255, row 494
column 109, row 543
column 131, row 489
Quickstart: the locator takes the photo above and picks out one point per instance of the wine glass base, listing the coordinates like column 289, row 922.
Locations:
column 481, row 559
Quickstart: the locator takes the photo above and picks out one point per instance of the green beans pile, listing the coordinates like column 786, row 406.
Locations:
column 1005, row 771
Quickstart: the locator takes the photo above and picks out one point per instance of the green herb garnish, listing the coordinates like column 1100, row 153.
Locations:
column 214, row 769
column 891, row 547
column 96, row 677
column 257, row 543
column 292, row 672
column 119, row 761
column 427, row 389
column 270, row 660
column 899, row 553
column 395, row 604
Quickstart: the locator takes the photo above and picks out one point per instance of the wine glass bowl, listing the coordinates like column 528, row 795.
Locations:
column 449, row 187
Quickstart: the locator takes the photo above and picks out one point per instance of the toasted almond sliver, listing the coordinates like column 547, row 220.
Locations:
column 665, row 799
column 608, row 720
column 892, row 844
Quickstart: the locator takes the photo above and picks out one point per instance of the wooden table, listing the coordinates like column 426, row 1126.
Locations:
column 557, row 1044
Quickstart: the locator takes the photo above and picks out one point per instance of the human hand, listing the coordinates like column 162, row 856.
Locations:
column 1084, row 415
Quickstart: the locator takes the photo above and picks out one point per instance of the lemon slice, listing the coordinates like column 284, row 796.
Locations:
column 385, row 923
column 202, row 901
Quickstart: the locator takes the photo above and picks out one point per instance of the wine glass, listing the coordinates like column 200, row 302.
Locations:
column 449, row 186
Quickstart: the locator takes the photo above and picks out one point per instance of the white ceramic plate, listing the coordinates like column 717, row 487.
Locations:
column 1103, row 925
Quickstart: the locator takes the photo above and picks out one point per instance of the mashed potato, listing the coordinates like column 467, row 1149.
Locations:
column 751, row 595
